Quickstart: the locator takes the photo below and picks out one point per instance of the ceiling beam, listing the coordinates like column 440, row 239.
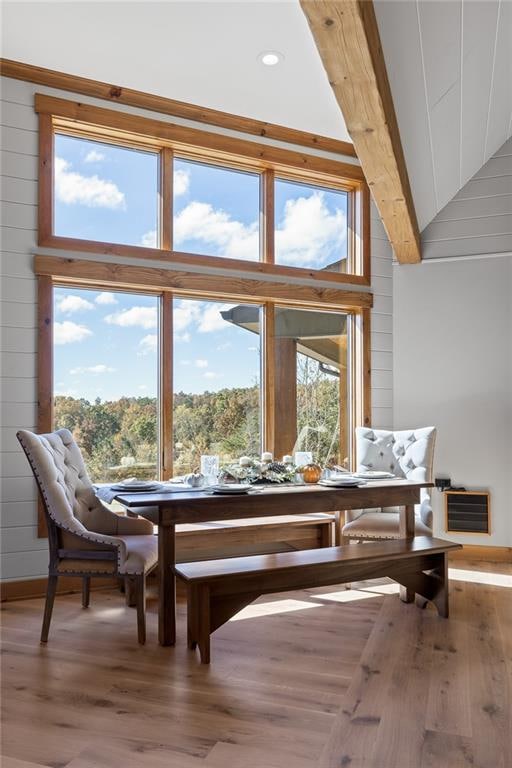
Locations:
column 347, row 38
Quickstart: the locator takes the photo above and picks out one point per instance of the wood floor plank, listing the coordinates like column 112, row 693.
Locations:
column 448, row 708
column 224, row 754
column 446, row 750
column 355, row 728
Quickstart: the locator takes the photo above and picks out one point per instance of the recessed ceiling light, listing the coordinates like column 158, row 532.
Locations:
column 270, row 58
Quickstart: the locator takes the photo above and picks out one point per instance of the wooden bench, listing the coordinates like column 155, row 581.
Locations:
column 218, row 589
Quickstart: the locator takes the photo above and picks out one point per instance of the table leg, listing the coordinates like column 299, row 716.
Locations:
column 407, row 532
column 166, row 585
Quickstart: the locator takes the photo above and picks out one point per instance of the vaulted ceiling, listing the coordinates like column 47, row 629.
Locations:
column 449, row 64
column 448, row 61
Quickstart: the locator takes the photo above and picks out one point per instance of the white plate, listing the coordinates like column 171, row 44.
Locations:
column 374, row 475
column 231, row 488
column 341, row 483
column 136, row 487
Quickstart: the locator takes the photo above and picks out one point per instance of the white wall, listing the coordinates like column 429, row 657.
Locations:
column 23, row 554
column 453, row 368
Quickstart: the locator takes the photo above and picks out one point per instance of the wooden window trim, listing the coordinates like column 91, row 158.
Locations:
column 166, row 138
column 116, row 94
column 44, row 373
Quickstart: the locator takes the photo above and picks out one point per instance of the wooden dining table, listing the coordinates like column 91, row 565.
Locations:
column 167, row 510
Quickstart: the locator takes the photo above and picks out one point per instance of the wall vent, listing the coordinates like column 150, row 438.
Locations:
column 468, row 512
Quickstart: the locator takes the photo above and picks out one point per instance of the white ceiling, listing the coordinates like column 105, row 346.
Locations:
column 201, row 52
column 448, row 61
column 449, row 64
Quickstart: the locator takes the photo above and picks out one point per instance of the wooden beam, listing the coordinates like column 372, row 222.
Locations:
column 347, row 37
column 154, row 279
column 116, row 94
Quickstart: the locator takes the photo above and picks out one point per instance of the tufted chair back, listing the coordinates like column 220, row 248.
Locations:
column 62, row 478
column 407, row 453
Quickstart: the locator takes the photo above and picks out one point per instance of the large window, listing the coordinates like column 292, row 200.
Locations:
column 105, row 359
column 127, row 185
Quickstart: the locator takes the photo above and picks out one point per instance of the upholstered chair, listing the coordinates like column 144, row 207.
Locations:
column 407, row 453
column 85, row 538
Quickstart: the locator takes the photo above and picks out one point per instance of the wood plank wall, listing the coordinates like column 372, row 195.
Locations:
column 24, row 555
column 479, row 218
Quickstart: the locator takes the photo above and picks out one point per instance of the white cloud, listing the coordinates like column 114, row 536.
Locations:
column 201, row 363
column 181, row 182
column 143, row 387
column 105, row 297
column 148, row 344
column 68, row 332
column 148, row 239
column 225, row 345
column 93, row 369
column 182, row 337
column 185, row 362
column 69, row 304
column 184, row 314
column 212, row 375
column 200, row 221
column 93, row 156
column 308, row 233
column 211, row 318
column 74, row 188
column 142, row 317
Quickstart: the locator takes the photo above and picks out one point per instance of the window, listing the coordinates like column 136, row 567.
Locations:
column 217, row 398
column 122, row 184
column 105, row 357
column 105, row 192
column 310, row 226
column 312, row 383
column 216, row 211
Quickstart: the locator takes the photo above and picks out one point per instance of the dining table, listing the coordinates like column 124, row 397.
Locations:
column 170, row 509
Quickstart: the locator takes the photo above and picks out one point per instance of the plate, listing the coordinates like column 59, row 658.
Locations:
column 231, row 488
column 136, row 487
column 341, row 483
column 374, row 475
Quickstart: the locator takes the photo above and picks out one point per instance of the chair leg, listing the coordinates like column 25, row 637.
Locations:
column 140, row 585
column 86, row 591
column 130, row 591
column 48, row 607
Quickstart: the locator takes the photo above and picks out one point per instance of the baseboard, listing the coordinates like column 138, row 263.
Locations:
column 24, row 589
column 485, row 554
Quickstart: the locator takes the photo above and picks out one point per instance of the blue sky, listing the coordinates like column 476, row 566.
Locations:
column 105, row 343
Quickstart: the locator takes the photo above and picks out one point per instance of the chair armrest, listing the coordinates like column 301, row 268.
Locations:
column 133, row 526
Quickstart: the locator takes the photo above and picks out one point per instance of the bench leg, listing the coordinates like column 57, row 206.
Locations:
column 441, row 598
column 203, row 622
column 192, row 617
column 406, row 595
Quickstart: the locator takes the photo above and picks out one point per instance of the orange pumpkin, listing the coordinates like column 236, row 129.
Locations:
column 311, row 473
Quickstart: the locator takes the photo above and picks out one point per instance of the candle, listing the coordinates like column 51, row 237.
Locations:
column 287, row 459
column 266, row 456
column 245, row 461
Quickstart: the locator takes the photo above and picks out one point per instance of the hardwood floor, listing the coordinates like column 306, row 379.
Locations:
column 311, row 679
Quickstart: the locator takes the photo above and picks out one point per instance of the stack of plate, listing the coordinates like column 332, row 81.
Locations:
column 374, row 475
column 231, row 488
column 341, row 481
column 137, row 486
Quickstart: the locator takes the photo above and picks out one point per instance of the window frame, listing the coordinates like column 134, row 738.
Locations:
column 169, row 140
